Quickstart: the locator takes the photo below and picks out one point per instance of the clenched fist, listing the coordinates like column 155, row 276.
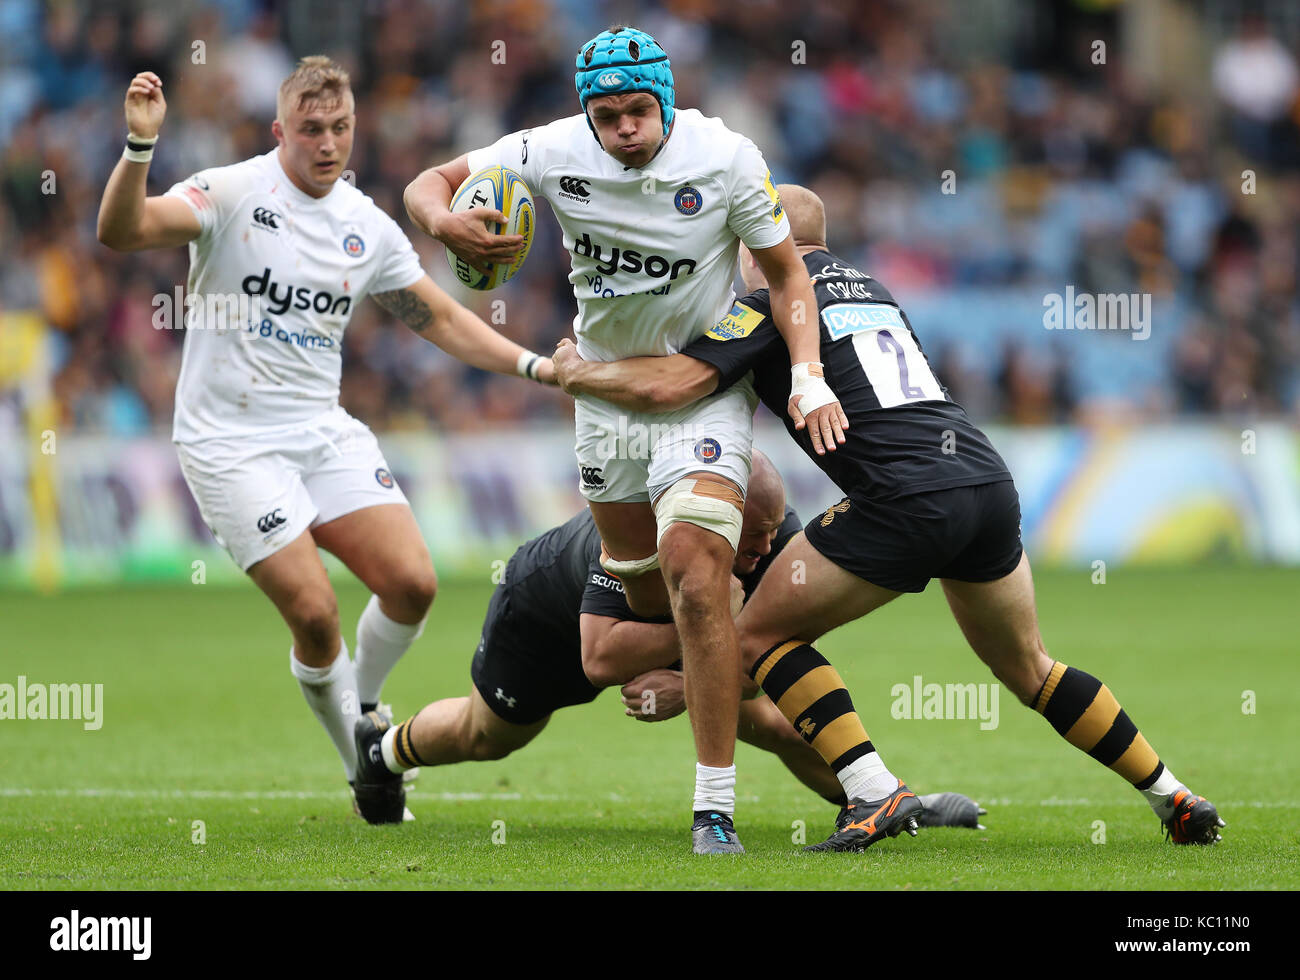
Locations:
column 145, row 105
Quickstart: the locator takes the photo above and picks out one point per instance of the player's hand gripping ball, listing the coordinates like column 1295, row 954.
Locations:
column 499, row 189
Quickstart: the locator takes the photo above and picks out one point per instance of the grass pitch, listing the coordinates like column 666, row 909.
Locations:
column 203, row 723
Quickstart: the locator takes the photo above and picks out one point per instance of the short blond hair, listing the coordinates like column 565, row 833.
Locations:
column 315, row 79
column 807, row 214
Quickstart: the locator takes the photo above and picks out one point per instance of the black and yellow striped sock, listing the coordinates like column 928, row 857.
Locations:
column 404, row 748
column 1085, row 713
column 809, row 692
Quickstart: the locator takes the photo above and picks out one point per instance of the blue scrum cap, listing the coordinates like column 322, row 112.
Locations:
column 625, row 60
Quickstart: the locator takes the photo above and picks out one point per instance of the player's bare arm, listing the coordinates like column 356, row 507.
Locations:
column 639, row 384
column 428, row 202
column 439, row 319
column 129, row 220
column 794, row 311
column 616, row 650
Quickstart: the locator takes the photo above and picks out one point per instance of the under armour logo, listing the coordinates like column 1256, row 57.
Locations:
column 806, row 727
column 269, row 522
column 591, row 476
column 267, row 217
column 576, row 186
column 501, row 696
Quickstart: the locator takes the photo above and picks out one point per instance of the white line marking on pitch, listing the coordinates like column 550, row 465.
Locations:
column 226, row 794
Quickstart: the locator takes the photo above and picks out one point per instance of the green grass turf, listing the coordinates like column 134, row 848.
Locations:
column 202, row 721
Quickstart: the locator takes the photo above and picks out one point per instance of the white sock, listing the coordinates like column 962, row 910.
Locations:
column 331, row 693
column 1157, row 793
column 380, row 644
column 715, row 789
column 867, row 778
column 386, row 747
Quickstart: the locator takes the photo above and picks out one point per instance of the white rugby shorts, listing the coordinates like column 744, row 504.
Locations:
column 633, row 456
column 258, row 493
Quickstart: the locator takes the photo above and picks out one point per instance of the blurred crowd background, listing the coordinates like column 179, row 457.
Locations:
column 1148, row 148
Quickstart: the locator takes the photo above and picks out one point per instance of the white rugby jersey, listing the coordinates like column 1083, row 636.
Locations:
column 276, row 274
column 653, row 250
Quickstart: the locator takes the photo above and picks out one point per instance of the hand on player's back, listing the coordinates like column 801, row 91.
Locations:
column 814, row 406
column 467, row 235
column 825, row 425
column 145, row 105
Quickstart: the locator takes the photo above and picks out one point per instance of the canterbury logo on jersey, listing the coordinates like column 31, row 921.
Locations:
column 591, row 476
column 269, row 522
column 630, row 260
column 299, row 297
column 575, row 187
column 267, row 218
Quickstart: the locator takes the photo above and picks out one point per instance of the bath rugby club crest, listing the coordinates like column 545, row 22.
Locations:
column 708, row 451
column 688, row 200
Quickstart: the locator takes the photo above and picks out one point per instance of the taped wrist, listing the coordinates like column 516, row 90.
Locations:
column 808, row 380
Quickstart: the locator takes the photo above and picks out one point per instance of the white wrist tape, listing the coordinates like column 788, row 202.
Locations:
column 139, row 149
column 806, row 379
column 528, row 365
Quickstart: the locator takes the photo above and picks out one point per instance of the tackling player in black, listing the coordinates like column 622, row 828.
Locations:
column 558, row 630
column 927, row 496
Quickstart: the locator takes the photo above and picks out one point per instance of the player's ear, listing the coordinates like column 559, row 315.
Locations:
column 277, row 130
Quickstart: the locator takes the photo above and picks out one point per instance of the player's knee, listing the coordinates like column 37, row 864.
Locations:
column 697, row 570
column 409, row 592
column 418, row 590
column 712, row 506
column 314, row 616
column 699, row 592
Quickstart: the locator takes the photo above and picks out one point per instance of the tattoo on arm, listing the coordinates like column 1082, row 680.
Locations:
column 407, row 307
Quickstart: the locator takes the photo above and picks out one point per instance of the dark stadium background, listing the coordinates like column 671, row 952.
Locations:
column 1123, row 177
column 1116, row 147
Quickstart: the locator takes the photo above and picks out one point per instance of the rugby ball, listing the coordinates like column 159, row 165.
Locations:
column 503, row 189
